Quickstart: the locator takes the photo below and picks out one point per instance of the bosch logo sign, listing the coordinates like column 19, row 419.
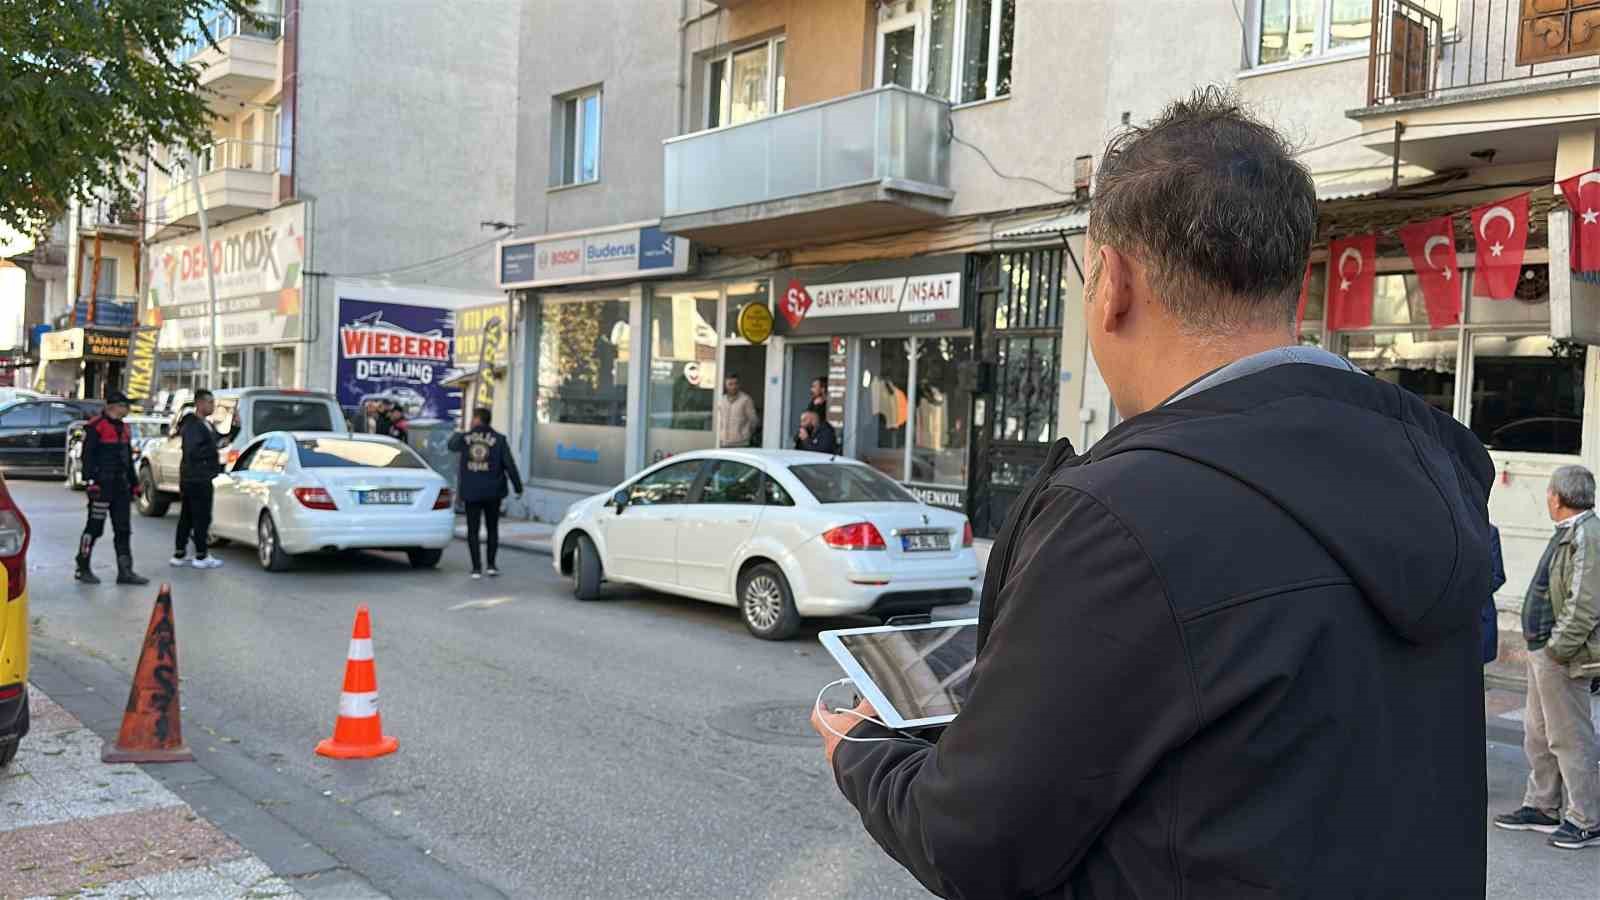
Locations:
column 607, row 255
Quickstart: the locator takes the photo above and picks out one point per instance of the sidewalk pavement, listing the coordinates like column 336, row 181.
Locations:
column 1503, row 711
column 518, row 534
column 72, row 826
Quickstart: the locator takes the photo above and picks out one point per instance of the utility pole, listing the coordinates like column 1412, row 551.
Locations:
column 211, row 275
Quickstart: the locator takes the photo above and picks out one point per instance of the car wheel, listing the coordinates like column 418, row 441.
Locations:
column 424, row 559
column 766, row 605
column 586, row 573
column 151, row 503
column 268, row 551
column 8, row 746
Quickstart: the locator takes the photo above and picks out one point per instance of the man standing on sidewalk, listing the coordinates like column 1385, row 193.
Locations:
column 486, row 465
column 739, row 419
column 1562, row 626
column 108, row 469
column 198, row 465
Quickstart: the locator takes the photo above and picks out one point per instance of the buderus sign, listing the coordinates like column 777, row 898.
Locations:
column 613, row 254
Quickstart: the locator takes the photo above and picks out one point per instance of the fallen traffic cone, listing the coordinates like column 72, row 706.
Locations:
column 358, row 732
column 151, row 729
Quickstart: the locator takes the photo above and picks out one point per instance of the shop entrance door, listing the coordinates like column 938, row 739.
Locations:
column 806, row 363
column 750, row 364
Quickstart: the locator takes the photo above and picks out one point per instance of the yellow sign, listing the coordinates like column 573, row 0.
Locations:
column 105, row 345
column 142, row 364
column 471, row 324
column 489, row 348
column 755, row 323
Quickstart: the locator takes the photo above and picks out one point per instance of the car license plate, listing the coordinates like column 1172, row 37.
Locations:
column 924, row 540
column 385, row 498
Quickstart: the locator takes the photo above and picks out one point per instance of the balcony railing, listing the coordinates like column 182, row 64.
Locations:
column 884, row 135
column 1435, row 49
column 109, row 311
column 230, row 153
column 223, row 25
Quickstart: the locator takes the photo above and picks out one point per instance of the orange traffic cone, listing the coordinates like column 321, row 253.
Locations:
column 358, row 732
column 151, row 729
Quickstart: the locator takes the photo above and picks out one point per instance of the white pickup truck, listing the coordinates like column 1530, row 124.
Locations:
column 241, row 415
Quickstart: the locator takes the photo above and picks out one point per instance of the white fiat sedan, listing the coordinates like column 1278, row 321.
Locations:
column 300, row 492
column 780, row 535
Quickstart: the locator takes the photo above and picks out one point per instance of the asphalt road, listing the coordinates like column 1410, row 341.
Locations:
column 636, row 746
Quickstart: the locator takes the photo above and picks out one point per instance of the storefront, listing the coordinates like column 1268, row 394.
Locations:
column 256, row 264
column 83, row 362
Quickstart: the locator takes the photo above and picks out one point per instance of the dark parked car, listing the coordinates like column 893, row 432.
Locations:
column 145, row 430
column 33, row 434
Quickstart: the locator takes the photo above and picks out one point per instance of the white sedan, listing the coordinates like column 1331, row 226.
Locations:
column 300, row 492
column 780, row 534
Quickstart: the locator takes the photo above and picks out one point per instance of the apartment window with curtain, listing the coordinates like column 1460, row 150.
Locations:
column 1293, row 30
column 575, row 138
column 959, row 50
column 746, row 83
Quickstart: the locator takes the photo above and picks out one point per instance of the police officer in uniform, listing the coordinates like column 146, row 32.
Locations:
column 486, row 465
column 108, row 468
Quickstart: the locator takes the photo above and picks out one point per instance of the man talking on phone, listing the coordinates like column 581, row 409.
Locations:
column 1232, row 650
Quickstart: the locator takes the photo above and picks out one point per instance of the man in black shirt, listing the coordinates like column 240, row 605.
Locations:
column 198, row 465
column 816, row 435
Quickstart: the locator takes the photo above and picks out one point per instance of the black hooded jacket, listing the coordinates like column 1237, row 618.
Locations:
column 1231, row 652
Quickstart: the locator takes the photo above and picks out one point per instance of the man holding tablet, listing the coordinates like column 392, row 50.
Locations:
column 1232, row 650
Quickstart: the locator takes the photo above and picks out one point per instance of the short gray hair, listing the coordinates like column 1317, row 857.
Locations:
column 1574, row 487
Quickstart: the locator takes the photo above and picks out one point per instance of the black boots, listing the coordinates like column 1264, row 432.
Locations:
column 84, row 574
column 125, row 573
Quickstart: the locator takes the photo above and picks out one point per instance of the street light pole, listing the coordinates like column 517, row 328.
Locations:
column 211, row 275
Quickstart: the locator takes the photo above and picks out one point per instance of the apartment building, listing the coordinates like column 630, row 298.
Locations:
column 361, row 168
column 905, row 185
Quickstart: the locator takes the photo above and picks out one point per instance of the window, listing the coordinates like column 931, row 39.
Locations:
column 24, row 415
column 1291, row 30
column 247, row 457
column 960, row 50
column 272, row 456
column 846, row 483
column 733, row 483
column 664, row 486
column 746, row 84
column 683, row 372
column 575, row 139
column 580, row 412
column 324, row 453
column 222, row 419
column 291, row 415
column 774, row 493
column 939, row 452
column 62, row 414
column 884, row 405
column 1527, row 393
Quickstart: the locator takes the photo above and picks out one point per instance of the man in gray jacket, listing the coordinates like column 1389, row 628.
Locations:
column 1559, row 735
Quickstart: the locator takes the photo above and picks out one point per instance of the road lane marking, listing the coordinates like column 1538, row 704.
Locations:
column 481, row 604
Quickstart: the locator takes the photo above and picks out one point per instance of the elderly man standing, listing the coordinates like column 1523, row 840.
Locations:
column 1559, row 735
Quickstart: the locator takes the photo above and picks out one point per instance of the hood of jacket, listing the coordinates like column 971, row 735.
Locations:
column 1395, row 490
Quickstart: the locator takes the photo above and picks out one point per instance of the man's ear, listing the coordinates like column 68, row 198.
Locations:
column 1115, row 288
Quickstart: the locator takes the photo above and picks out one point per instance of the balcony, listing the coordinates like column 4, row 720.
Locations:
column 108, row 312
column 237, row 178
column 1463, row 72
column 860, row 165
column 109, row 220
column 244, row 61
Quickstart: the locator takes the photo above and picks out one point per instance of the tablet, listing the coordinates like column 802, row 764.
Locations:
column 914, row 675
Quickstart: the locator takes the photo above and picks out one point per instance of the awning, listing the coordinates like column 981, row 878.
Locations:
column 1074, row 222
column 1356, row 184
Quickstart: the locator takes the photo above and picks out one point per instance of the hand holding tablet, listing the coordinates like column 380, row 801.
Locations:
column 914, row 675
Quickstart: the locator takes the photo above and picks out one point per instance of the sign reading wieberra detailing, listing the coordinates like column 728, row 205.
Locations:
column 397, row 350
column 634, row 251
column 256, row 263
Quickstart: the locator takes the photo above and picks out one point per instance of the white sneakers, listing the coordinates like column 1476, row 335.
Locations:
column 179, row 562
column 210, row 562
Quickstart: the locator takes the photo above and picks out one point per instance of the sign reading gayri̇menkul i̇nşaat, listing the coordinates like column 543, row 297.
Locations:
column 397, row 351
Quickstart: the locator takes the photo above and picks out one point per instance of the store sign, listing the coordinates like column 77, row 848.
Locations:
column 61, row 345
column 617, row 254
column 142, row 364
column 399, row 351
column 943, row 497
column 84, row 343
column 913, row 294
column 469, row 332
column 107, row 345
column 755, row 323
column 256, row 264
column 796, row 303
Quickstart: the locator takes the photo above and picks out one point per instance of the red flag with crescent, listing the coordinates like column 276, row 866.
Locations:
column 1305, row 294
column 1432, row 248
column 1500, row 231
column 1582, row 193
column 1352, row 263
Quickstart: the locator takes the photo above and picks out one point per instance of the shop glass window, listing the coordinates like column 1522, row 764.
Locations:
column 1422, row 362
column 683, row 373
column 1316, row 306
column 1527, row 393
column 575, row 139
column 1025, row 400
column 580, row 411
column 943, row 415
column 665, row 486
column 885, row 405
column 740, row 296
column 1529, row 305
column 1398, row 300
column 733, row 483
column 1291, row 30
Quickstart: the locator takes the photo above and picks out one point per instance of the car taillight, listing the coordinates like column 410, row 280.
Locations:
column 860, row 536
column 14, row 537
column 314, row 498
column 232, row 457
column 966, row 534
column 11, row 692
column 445, row 499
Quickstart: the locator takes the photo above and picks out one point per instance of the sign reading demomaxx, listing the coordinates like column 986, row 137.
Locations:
column 640, row 250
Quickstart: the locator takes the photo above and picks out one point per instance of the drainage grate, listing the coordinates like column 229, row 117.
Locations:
column 785, row 723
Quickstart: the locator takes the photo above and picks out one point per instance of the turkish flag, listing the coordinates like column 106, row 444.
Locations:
column 1305, row 293
column 1352, row 265
column 796, row 303
column 1432, row 247
column 1500, row 230
column 1582, row 193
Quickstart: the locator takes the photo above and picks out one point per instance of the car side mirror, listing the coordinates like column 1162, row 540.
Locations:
column 619, row 500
